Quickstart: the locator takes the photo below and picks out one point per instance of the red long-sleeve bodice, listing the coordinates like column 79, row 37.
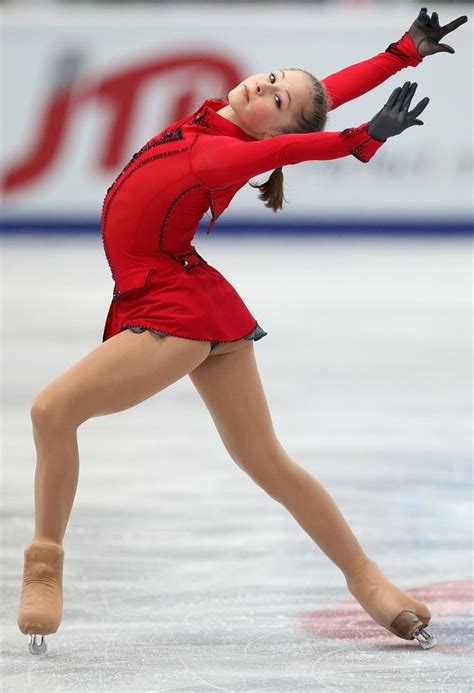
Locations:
column 152, row 210
column 358, row 79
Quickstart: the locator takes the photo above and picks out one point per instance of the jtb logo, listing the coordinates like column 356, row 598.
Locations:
column 119, row 94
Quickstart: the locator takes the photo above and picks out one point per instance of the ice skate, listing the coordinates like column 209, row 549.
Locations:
column 41, row 600
column 382, row 600
column 408, row 625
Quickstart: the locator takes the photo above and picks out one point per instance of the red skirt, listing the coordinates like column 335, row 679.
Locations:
column 179, row 295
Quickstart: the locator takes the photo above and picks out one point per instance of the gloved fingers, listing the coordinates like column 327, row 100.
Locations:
column 444, row 48
column 393, row 96
column 416, row 122
column 434, row 47
column 406, row 86
column 402, row 96
column 453, row 25
column 424, row 17
column 408, row 97
column 435, row 21
column 419, row 108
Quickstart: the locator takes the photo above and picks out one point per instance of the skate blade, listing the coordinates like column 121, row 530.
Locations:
column 37, row 644
column 425, row 639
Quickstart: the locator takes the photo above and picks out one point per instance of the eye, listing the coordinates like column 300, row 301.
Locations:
column 277, row 98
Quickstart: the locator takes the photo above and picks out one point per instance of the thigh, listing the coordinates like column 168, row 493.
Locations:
column 118, row 374
column 226, row 347
column 231, row 388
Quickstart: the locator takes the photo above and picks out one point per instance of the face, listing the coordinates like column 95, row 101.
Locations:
column 263, row 104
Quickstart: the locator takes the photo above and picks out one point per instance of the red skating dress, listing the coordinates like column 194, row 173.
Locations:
column 152, row 210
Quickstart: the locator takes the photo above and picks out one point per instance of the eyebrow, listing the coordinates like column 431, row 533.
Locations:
column 288, row 93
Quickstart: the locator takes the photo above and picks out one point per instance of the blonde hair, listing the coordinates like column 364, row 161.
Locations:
column 271, row 192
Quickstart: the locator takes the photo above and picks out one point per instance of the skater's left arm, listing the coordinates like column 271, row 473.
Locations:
column 420, row 40
column 228, row 160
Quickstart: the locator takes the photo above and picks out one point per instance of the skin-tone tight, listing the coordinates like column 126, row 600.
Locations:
column 129, row 368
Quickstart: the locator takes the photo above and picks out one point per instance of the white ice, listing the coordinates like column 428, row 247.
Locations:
column 180, row 573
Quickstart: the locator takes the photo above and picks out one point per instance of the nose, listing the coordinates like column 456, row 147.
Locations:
column 262, row 88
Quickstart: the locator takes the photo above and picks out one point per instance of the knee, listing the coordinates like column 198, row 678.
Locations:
column 271, row 470
column 48, row 412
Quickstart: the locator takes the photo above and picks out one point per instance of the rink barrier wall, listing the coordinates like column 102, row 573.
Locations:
column 249, row 226
column 86, row 87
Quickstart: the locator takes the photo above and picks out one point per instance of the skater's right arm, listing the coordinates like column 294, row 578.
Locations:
column 227, row 160
column 422, row 39
column 358, row 79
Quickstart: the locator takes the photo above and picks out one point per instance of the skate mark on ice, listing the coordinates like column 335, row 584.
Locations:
column 347, row 620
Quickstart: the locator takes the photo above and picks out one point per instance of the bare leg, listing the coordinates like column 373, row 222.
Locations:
column 118, row 374
column 317, row 513
column 56, row 477
column 314, row 509
column 231, row 388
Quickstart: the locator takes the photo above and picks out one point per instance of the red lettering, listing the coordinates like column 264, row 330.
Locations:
column 120, row 95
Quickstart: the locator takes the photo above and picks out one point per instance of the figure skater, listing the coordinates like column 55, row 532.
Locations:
column 172, row 314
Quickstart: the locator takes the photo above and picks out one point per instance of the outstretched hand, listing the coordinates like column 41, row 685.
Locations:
column 394, row 117
column 426, row 33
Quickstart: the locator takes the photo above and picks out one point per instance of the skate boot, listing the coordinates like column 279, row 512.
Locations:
column 41, row 600
column 408, row 625
column 381, row 599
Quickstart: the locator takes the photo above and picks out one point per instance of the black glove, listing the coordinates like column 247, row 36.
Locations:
column 426, row 33
column 394, row 117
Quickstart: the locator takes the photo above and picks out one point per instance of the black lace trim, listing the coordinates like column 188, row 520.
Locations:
column 168, row 136
column 396, row 49
column 109, row 199
column 201, row 119
column 189, row 260
column 170, row 212
column 119, row 294
column 359, row 151
column 256, row 334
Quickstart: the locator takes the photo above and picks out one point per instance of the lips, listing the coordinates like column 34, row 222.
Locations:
column 246, row 92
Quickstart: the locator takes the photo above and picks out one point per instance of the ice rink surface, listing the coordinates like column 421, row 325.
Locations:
column 180, row 573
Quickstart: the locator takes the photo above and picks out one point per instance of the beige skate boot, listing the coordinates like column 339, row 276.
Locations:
column 408, row 625
column 41, row 600
column 397, row 611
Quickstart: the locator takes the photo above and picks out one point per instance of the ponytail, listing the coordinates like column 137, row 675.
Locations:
column 271, row 192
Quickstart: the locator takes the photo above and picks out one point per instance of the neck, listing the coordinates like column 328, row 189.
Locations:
column 229, row 113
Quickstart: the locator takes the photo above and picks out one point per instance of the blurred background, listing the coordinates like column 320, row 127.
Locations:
column 84, row 85
column 180, row 573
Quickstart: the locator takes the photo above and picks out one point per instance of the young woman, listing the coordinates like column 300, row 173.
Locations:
column 172, row 313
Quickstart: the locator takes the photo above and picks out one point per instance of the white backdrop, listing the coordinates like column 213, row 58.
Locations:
column 129, row 70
